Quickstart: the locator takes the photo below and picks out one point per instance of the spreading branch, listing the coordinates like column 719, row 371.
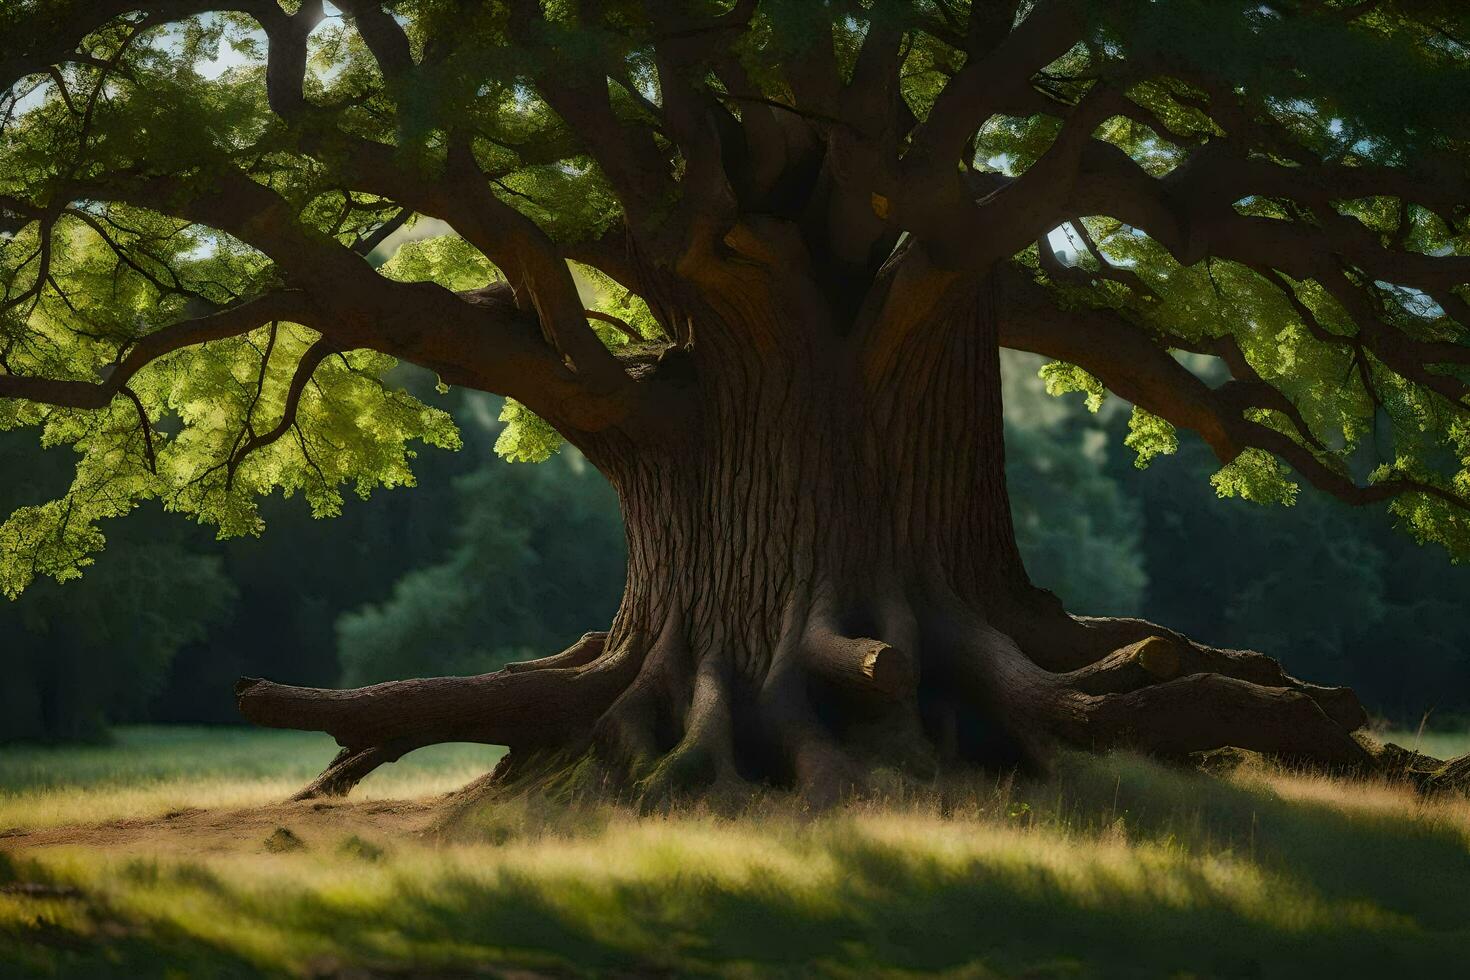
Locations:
column 292, row 305
column 1138, row 367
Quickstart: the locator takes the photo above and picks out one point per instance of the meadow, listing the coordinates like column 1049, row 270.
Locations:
column 168, row 853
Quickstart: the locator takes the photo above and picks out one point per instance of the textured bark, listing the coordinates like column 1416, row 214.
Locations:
column 822, row 579
column 777, row 555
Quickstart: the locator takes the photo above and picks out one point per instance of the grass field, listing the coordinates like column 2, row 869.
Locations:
column 148, row 771
column 1113, row 867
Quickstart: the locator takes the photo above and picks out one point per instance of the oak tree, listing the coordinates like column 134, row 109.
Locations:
column 811, row 225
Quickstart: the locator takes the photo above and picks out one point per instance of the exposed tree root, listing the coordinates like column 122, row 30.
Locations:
column 579, row 654
column 659, row 717
column 1454, row 774
column 1200, row 712
column 704, row 759
column 350, row 767
column 523, row 705
column 1166, row 656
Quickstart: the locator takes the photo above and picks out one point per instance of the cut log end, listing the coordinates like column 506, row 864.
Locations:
column 863, row 664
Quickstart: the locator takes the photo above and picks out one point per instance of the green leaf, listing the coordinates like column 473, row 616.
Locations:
column 1150, row 436
column 527, row 438
column 1062, row 378
column 1256, row 475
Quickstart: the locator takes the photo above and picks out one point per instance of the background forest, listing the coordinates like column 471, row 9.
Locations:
column 488, row 561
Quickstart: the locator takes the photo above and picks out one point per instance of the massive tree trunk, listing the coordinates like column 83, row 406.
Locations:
column 823, row 579
column 796, row 564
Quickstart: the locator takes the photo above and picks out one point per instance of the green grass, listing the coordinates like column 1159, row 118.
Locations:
column 1114, row 867
column 147, row 771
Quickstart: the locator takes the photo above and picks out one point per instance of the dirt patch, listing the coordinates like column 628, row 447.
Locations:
column 311, row 825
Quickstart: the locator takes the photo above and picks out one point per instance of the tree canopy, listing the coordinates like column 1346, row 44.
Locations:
column 194, row 296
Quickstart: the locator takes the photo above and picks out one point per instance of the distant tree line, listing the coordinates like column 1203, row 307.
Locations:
column 487, row 562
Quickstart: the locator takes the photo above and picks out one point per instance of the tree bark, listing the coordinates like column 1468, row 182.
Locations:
column 823, row 579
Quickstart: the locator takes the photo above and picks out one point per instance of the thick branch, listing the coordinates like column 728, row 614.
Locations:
column 1124, row 357
column 285, row 71
column 1192, row 214
column 383, row 35
column 638, row 170
column 535, row 266
column 525, row 254
column 989, row 82
column 486, row 345
column 1128, row 361
column 49, row 33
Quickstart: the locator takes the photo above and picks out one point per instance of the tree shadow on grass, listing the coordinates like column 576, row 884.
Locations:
column 1245, row 883
column 1396, row 859
column 1126, row 869
column 49, row 928
column 890, row 910
column 1037, row 921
